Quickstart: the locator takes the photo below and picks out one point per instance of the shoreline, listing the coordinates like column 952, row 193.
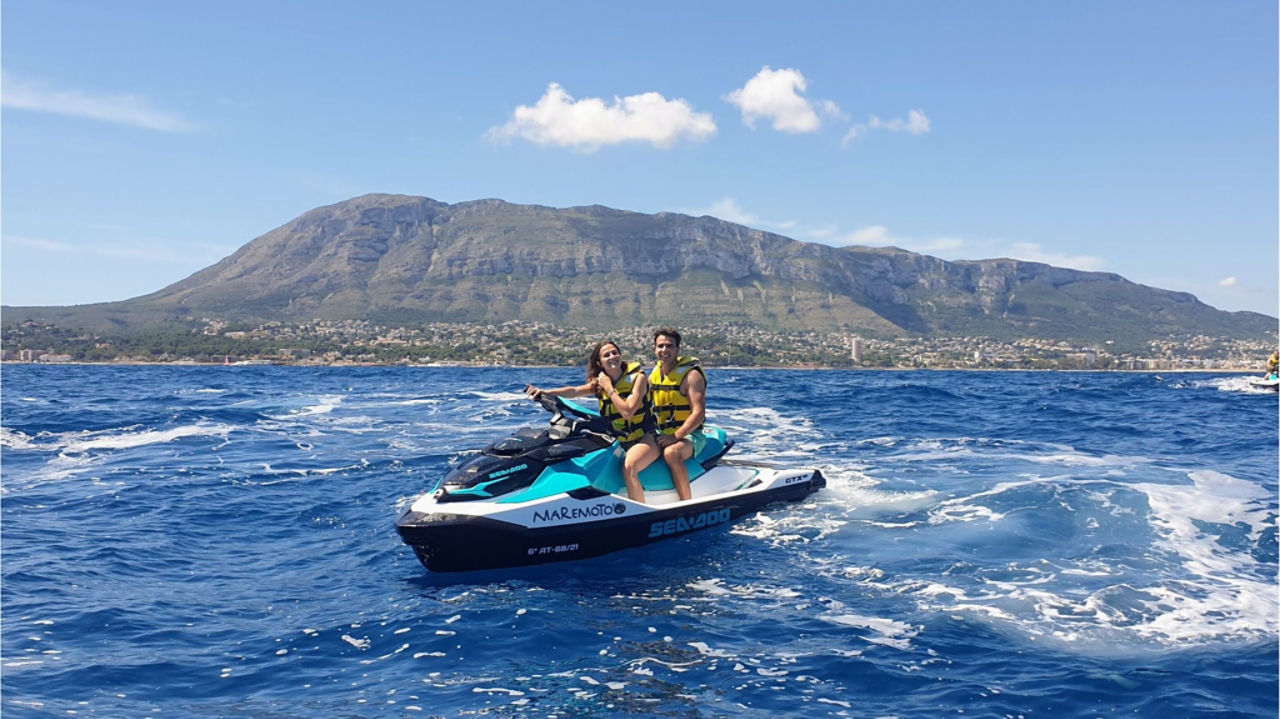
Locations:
column 464, row 365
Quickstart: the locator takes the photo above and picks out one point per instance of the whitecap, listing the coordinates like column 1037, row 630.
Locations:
column 1199, row 582
column 357, row 643
column 15, row 439
column 888, row 632
column 83, row 442
column 498, row 396
column 324, row 404
column 497, row 690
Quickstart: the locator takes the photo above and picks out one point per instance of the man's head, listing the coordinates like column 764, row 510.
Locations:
column 666, row 344
column 670, row 333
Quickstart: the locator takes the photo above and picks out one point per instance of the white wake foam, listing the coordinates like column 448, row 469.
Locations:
column 14, row 439
column 1233, row 384
column 80, row 442
column 1199, row 583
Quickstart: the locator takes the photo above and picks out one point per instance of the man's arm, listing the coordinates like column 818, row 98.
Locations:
column 695, row 388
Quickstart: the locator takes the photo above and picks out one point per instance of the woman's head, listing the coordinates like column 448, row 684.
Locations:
column 595, row 365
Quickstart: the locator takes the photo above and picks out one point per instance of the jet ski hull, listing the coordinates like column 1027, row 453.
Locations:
column 453, row 537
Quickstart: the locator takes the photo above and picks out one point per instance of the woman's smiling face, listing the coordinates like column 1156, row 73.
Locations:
column 610, row 358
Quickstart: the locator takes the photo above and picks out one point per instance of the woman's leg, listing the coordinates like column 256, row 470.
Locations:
column 640, row 455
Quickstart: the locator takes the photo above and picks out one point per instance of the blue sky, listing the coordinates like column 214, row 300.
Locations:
column 143, row 141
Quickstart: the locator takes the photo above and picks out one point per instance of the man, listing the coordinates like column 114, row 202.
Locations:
column 678, row 399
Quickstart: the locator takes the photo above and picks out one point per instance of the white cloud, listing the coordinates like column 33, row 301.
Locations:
column 588, row 124
column 959, row 248
column 122, row 109
column 1032, row 252
column 916, row 123
column 729, row 210
column 879, row 236
column 778, row 96
column 1227, row 282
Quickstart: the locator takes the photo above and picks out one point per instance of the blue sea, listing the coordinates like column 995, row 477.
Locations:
column 187, row 541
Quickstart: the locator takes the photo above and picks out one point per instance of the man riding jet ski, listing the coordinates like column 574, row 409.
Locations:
column 553, row 494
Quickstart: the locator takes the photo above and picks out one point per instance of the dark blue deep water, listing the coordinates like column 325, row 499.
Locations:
column 219, row 542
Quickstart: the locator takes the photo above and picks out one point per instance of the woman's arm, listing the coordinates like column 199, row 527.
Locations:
column 569, row 391
column 628, row 406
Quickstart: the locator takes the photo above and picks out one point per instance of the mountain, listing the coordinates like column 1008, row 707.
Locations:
column 399, row 260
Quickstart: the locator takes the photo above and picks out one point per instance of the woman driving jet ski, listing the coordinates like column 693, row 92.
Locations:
column 623, row 390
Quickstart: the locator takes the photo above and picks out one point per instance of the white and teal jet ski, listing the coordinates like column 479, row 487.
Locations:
column 557, row 493
column 1270, row 382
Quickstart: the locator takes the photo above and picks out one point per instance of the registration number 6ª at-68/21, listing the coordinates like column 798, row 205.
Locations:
column 557, row 549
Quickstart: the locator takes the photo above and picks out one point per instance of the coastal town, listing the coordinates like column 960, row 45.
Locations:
column 357, row 342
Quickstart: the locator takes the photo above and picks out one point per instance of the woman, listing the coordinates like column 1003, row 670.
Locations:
column 622, row 389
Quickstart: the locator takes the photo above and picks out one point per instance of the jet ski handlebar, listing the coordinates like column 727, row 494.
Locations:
column 571, row 417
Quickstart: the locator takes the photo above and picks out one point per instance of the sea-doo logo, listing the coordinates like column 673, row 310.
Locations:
column 508, row 470
column 561, row 514
column 684, row 524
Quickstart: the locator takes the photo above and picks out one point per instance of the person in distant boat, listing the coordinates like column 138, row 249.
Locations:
column 623, row 392
column 1273, row 365
column 678, row 397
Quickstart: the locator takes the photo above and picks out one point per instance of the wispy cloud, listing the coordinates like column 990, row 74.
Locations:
column 122, row 109
column 728, row 209
column 37, row 243
column 960, row 248
column 142, row 250
column 879, row 236
column 1032, row 252
column 947, row 247
column 778, row 97
column 916, row 123
column 588, row 124
column 1227, row 282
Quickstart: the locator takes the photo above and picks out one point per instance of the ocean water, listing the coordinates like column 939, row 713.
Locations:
column 219, row 542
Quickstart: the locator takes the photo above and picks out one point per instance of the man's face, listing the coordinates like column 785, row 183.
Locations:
column 665, row 349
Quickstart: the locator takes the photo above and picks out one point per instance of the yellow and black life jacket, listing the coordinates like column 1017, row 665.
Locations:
column 626, row 430
column 670, row 407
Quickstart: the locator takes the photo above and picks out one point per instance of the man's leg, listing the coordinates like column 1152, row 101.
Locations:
column 676, row 454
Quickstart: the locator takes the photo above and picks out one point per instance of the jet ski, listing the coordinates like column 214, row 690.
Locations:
column 557, row 493
column 1269, row 382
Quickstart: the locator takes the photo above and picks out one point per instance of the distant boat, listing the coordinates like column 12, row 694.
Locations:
column 242, row 363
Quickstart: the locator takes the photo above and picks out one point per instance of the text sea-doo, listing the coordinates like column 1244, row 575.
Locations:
column 548, row 495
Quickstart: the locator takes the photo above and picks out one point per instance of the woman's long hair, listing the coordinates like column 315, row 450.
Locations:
column 594, row 365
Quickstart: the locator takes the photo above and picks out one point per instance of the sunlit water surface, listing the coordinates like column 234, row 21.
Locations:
column 219, row 542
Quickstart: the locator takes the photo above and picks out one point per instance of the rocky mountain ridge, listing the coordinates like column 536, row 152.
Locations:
column 398, row 259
